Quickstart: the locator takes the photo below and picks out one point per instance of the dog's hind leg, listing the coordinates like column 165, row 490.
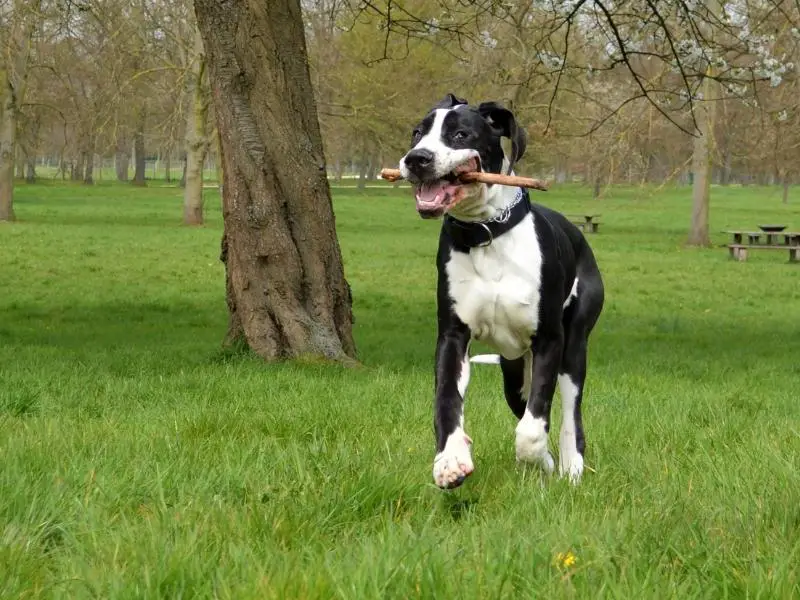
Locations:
column 517, row 382
column 570, row 383
column 533, row 428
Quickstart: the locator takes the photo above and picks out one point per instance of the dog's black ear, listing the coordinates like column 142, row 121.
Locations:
column 503, row 120
column 449, row 101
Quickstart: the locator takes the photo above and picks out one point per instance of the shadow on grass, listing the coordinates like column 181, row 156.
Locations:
column 400, row 339
column 459, row 508
column 135, row 326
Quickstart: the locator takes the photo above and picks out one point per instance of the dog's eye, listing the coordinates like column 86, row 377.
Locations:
column 459, row 135
column 416, row 134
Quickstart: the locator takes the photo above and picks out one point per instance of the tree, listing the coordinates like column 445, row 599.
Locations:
column 196, row 137
column 286, row 292
column 139, row 157
column 703, row 113
column 15, row 44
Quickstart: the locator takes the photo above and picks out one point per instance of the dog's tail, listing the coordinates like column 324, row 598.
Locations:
column 486, row 359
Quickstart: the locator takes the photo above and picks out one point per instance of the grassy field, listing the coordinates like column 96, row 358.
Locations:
column 138, row 460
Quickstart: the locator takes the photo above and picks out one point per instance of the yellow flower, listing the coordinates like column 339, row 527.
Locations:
column 565, row 560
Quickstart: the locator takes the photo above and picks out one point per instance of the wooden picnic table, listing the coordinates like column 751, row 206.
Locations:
column 772, row 240
column 586, row 222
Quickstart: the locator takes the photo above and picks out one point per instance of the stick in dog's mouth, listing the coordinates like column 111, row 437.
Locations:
column 436, row 197
column 482, row 177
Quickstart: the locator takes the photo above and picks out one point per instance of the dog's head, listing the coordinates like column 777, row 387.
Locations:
column 453, row 138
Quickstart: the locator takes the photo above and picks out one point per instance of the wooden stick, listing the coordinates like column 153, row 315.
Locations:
column 478, row 177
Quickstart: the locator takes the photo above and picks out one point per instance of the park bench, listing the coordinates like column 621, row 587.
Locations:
column 587, row 223
column 772, row 241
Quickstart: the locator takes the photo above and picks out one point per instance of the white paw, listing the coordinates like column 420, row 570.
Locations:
column 570, row 463
column 531, row 443
column 453, row 464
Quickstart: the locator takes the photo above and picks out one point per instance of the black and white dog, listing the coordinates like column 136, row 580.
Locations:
column 515, row 275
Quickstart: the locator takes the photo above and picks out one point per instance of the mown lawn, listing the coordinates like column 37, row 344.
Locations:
column 138, row 460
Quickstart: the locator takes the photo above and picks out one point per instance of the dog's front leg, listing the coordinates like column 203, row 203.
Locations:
column 453, row 461
column 532, row 430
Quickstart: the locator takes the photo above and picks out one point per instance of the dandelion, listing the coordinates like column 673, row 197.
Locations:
column 565, row 560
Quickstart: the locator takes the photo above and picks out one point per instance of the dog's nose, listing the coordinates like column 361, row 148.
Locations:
column 419, row 159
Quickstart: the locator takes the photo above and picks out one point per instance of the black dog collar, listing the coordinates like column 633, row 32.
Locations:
column 474, row 234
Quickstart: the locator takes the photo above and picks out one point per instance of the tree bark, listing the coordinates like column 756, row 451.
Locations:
column 78, row 167
column 8, row 132
column 701, row 166
column 727, row 166
column 19, row 165
column 30, row 169
column 138, row 150
column 218, row 163
column 363, row 167
column 88, row 174
column 168, row 167
column 122, row 159
column 182, row 182
column 18, row 24
column 286, row 292
column 196, row 138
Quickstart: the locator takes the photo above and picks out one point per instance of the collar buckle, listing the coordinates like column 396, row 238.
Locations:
column 489, row 233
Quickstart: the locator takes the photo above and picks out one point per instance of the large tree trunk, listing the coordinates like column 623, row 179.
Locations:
column 122, row 160
column 286, row 290
column 196, row 138
column 701, row 166
column 138, row 150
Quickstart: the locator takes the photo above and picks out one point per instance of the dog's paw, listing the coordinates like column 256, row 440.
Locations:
column 570, row 461
column 453, row 464
column 531, row 443
column 571, row 467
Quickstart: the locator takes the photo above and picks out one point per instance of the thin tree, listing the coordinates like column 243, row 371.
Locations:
column 197, row 141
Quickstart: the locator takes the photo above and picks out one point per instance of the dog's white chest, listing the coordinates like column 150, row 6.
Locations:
column 495, row 289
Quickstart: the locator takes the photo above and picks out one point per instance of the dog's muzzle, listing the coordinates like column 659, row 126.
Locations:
column 420, row 163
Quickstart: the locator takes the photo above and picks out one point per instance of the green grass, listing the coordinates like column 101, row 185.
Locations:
column 138, row 460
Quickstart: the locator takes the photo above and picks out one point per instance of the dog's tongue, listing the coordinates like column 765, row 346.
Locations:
column 434, row 195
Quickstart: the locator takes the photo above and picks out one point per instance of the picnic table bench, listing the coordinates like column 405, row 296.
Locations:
column 587, row 223
column 772, row 240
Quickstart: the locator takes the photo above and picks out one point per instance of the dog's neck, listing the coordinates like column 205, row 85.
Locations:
column 487, row 203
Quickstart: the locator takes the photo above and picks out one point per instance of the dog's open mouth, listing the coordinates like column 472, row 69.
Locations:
column 436, row 197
